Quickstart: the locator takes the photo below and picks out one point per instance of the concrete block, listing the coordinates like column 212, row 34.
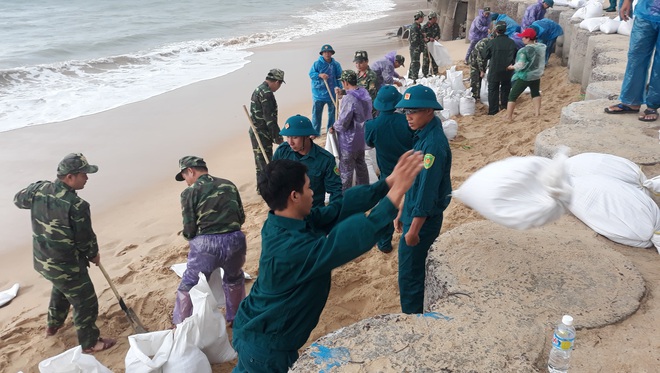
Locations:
column 603, row 73
column 578, row 53
column 606, row 89
column 585, row 127
column 609, row 58
column 566, row 25
column 554, row 12
column 598, row 44
column 478, row 269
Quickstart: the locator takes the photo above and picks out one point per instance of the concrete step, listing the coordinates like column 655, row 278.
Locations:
column 598, row 44
column 606, row 89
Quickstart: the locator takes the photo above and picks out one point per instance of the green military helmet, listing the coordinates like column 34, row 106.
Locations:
column 298, row 125
column 400, row 59
column 387, row 98
column 75, row 163
column 189, row 161
column 349, row 76
column 276, row 74
column 327, row 48
column 419, row 15
column 419, row 97
column 433, row 15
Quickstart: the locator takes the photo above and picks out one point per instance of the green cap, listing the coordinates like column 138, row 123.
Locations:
column 75, row 163
column 549, row 2
column 433, row 15
column 486, row 9
column 298, row 125
column 419, row 97
column 349, row 76
column 189, row 161
column 276, row 74
column 500, row 26
column 387, row 98
column 360, row 56
column 419, row 15
column 327, row 48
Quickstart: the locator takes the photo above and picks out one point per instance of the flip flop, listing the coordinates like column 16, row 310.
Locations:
column 648, row 112
column 107, row 343
column 624, row 109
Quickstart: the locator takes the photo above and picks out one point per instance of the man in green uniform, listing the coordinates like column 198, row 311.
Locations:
column 212, row 217
column 429, row 196
column 431, row 31
column 321, row 166
column 300, row 247
column 478, row 65
column 390, row 135
column 63, row 245
column 417, row 45
column 263, row 111
column 366, row 77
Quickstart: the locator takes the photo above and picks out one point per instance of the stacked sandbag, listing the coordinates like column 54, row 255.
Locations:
column 72, row 361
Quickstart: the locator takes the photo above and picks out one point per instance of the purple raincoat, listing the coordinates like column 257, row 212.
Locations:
column 533, row 13
column 384, row 69
column 479, row 27
column 354, row 110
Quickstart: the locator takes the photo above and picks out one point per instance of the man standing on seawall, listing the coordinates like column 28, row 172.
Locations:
column 63, row 245
column 478, row 30
column 644, row 43
column 212, row 217
column 428, row 197
column 501, row 51
column 390, row 135
column 431, row 31
column 321, row 167
column 263, row 111
column 417, row 45
column 300, row 246
column 328, row 70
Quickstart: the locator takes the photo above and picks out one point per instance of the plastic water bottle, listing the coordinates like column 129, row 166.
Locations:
column 562, row 345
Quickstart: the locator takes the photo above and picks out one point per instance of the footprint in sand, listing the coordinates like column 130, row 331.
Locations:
column 126, row 249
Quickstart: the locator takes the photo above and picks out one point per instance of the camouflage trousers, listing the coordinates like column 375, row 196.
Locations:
column 427, row 61
column 475, row 81
column 259, row 160
column 413, row 71
column 77, row 291
column 349, row 163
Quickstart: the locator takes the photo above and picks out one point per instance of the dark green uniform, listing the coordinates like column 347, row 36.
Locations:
column 478, row 64
column 368, row 80
column 430, row 31
column 263, row 110
column 321, row 169
column 63, row 243
column 417, row 47
column 211, row 206
column 297, row 258
column 428, row 197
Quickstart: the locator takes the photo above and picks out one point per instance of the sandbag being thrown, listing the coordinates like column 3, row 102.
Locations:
column 519, row 192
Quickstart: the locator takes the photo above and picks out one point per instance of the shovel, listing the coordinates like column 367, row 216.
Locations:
column 132, row 317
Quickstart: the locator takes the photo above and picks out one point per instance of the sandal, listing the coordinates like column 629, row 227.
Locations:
column 52, row 330
column 623, row 109
column 650, row 115
column 107, row 343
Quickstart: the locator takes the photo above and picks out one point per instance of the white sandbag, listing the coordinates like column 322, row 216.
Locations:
column 451, row 103
column 148, row 352
column 561, row 2
column 7, row 295
column 579, row 14
column 443, row 114
column 606, row 165
column 215, row 281
column 208, row 331
column 610, row 26
column 593, row 9
column 440, row 54
column 455, row 78
column 483, row 92
column 450, row 128
column 72, row 361
column 625, row 27
column 576, row 3
column 467, row 106
column 617, row 210
column 593, row 24
column 653, row 185
column 185, row 356
column 331, row 144
column 519, row 192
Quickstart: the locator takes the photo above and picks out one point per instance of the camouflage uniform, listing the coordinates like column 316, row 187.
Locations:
column 63, row 243
column 478, row 64
column 431, row 31
column 263, row 111
column 368, row 80
column 212, row 217
column 417, row 47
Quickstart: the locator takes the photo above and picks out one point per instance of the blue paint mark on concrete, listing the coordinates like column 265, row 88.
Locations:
column 327, row 358
column 436, row 316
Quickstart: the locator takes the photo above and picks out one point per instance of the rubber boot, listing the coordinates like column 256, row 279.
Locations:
column 612, row 7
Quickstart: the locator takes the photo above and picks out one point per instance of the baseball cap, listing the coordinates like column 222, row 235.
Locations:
column 349, row 76
column 500, row 26
column 298, row 125
column 549, row 2
column 486, row 9
column 400, row 59
column 276, row 74
column 361, row 56
column 75, row 163
column 419, row 97
column 528, row 33
column 189, row 161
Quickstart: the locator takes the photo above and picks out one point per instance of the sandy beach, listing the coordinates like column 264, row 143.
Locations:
column 136, row 212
